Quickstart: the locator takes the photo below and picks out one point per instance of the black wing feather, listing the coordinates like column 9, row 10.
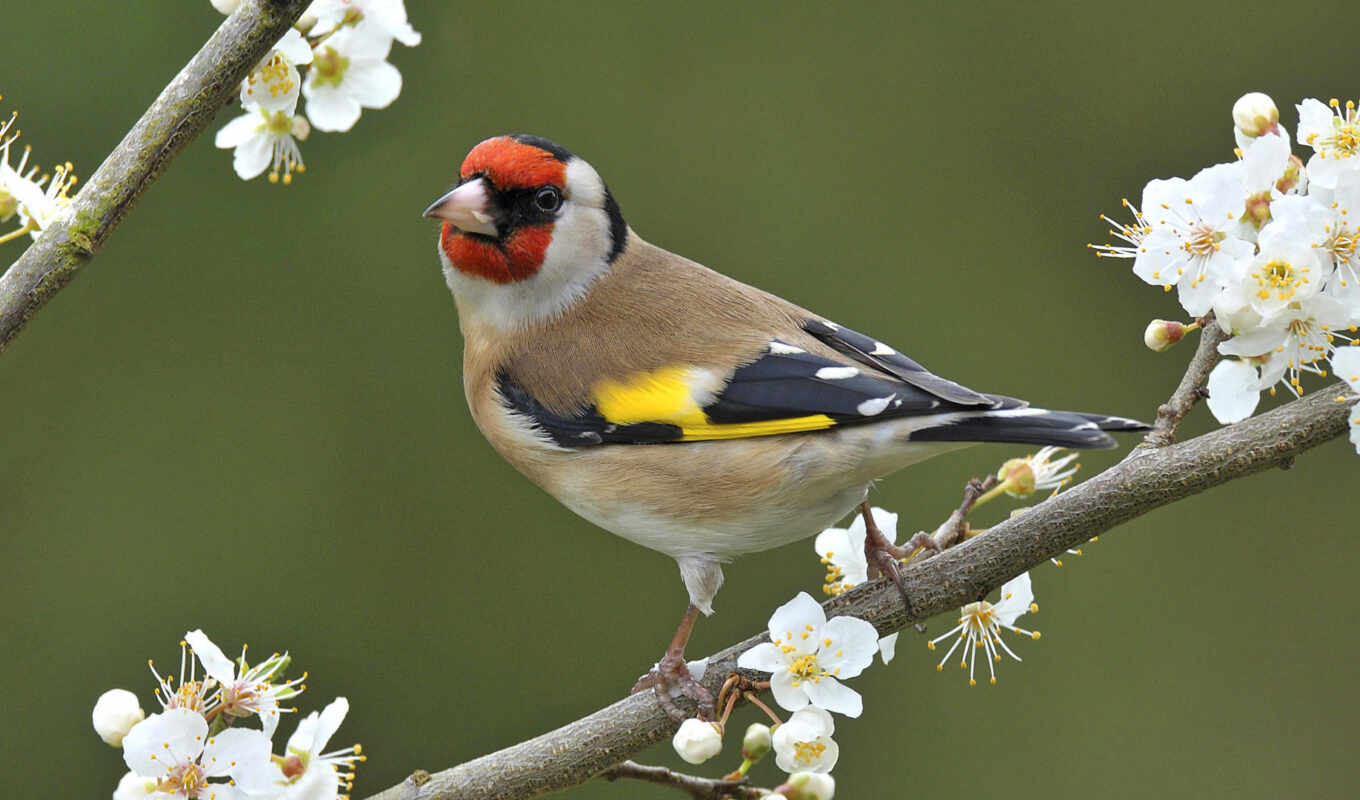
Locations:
column 870, row 351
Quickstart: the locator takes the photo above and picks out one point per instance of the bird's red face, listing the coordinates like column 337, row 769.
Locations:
column 499, row 220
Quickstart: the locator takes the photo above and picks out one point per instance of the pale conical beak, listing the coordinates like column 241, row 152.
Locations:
column 468, row 208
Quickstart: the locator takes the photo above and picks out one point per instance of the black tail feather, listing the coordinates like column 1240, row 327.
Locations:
column 1031, row 426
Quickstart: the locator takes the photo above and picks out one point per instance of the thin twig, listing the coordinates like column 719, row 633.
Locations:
column 698, row 788
column 182, row 111
column 1191, row 388
column 579, row 750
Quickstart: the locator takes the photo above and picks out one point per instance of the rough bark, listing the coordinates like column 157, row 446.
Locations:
column 1151, row 478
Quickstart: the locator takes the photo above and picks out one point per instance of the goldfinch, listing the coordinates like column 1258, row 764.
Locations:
column 672, row 405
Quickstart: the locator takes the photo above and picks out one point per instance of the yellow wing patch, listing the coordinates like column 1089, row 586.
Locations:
column 666, row 396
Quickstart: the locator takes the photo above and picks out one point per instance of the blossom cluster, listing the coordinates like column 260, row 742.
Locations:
column 1269, row 244
column 344, row 45
column 202, row 743
column 809, row 656
column 32, row 200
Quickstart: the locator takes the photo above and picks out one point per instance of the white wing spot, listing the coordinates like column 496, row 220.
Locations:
column 780, row 349
column 881, row 349
column 833, row 326
column 874, row 406
column 1019, row 412
column 836, row 373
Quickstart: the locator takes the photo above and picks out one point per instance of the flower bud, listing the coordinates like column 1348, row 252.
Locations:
column 133, row 787
column 809, row 786
column 301, row 128
column 697, row 741
column 225, row 6
column 115, row 712
column 1162, row 334
column 756, row 743
column 1255, row 114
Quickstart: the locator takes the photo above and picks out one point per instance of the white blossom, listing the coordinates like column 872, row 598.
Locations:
column 1022, row 477
column 842, row 551
column 308, row 771
column 1334, row 134
column 274, row 83
column 980, row 625
column 174, row 749
column 245, row 691
column 385, row 17
column 265, row 139
column 1194, row 234
column 807, row 657
column 350, row 72
column 804, row 743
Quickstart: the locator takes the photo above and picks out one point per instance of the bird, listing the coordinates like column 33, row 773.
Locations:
column 672, row 405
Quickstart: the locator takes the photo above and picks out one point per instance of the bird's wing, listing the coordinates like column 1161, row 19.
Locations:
column 785, row 389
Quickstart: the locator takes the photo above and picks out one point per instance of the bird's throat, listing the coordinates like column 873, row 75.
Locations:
column 517, row 257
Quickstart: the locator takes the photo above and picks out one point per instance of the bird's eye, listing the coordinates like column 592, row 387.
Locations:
column 548, row 199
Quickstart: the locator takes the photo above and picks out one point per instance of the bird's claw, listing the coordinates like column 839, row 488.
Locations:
column 671, row 678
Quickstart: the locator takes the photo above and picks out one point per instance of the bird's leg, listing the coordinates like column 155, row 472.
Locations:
column 882, row 556
column 953, row 530
column 672, row 673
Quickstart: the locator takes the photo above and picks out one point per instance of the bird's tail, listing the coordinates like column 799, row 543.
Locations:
column 1013, row 421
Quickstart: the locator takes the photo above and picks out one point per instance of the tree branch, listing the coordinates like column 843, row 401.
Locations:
column 184, row 108
column 698, row 788
column 1150, row 479
column 1191, row 388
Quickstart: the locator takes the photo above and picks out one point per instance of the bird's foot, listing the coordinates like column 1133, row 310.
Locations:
column 671, row 679
column 884, row 558
column 955, row 529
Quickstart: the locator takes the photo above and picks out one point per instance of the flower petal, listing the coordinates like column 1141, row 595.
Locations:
column 211, row 656
column 234, row 133
column 1016, row 596
column 1346, row 365
column 260, row 777
column 330, row 109
column 234, row 750
column 178, row 732
column 251, row 157
column 294, row 47
column 791, row 620
column 765, row 657
column 302, row 738
column 832, row 695
column 853, row 645
column 374, row 84
column 331, row 717
column 1234, row 391
column 832, row 543
column 788, row 696
column 887, row 647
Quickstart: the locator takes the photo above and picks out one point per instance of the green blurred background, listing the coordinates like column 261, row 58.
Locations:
column 246, row 414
